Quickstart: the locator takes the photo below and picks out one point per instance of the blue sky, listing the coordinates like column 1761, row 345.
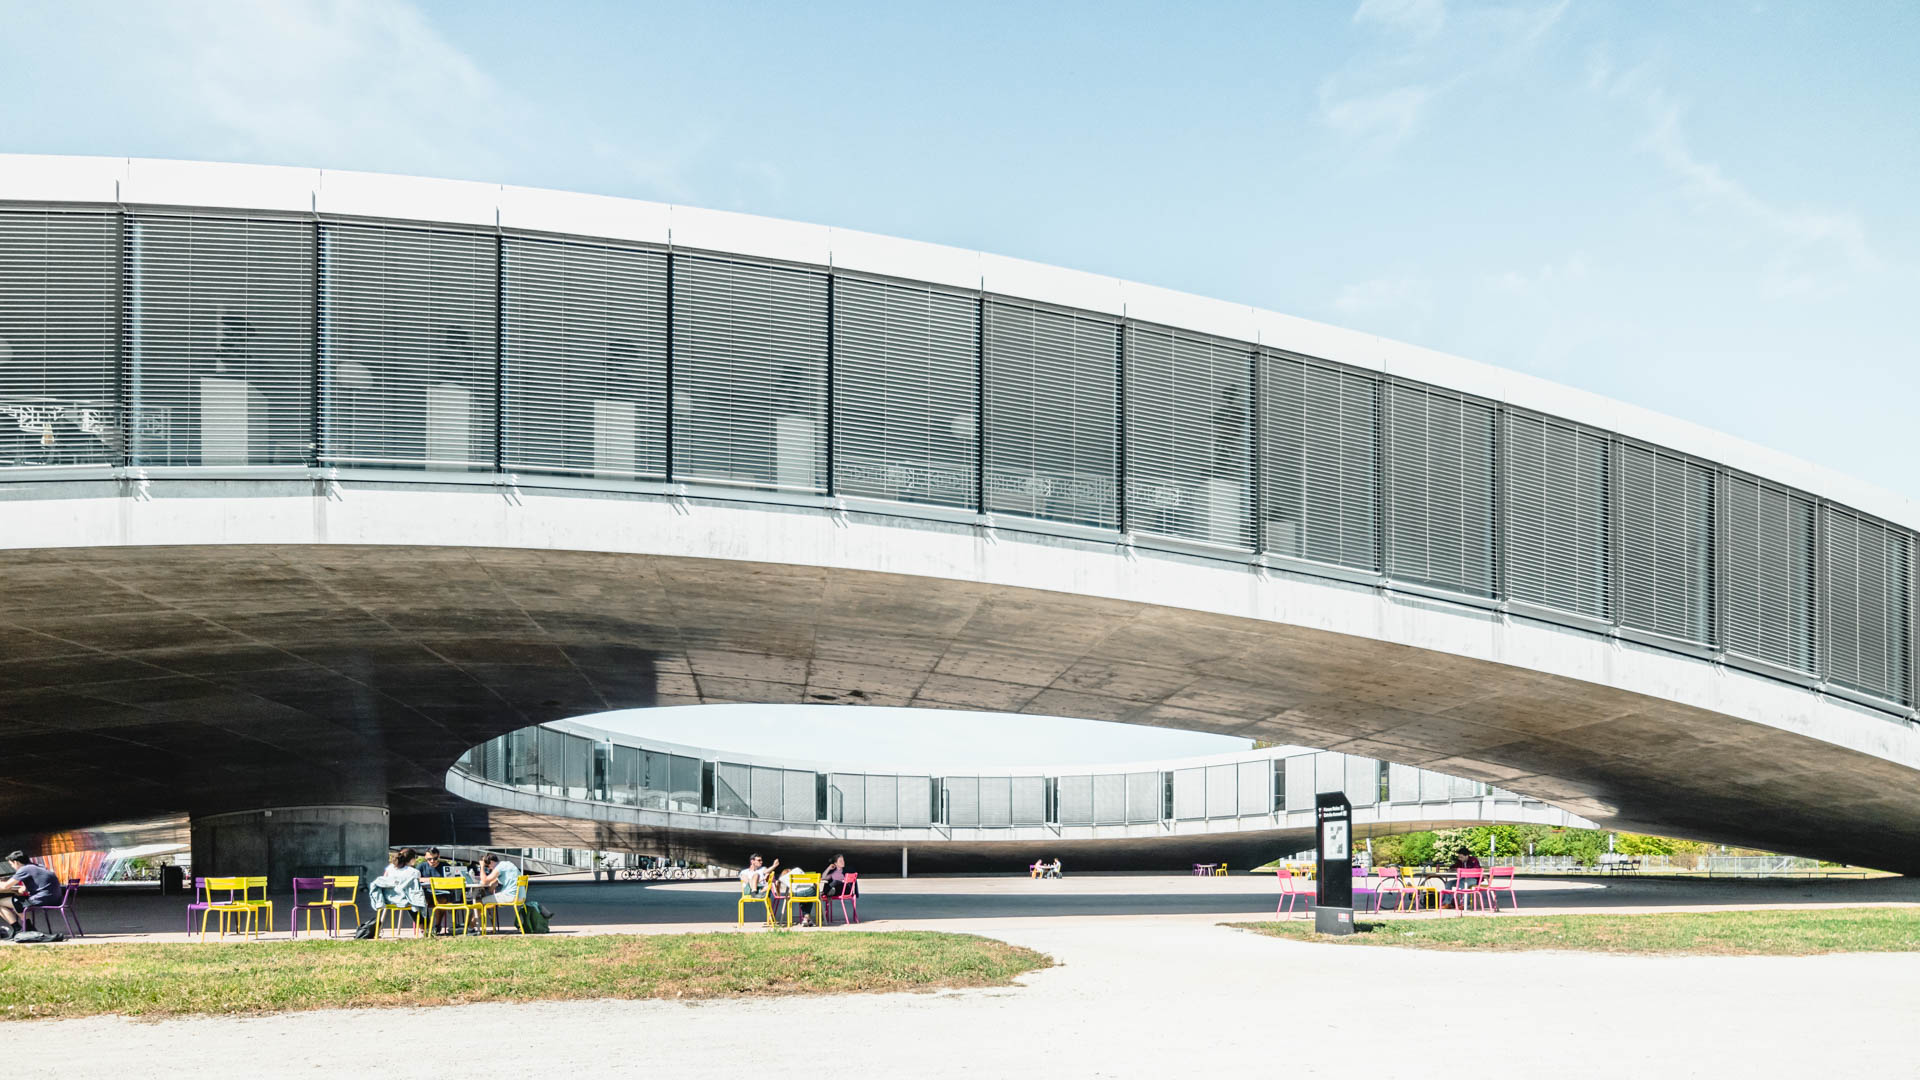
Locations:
column 1706, row 209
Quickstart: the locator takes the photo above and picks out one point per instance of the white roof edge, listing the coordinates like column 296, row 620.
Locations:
column 50, row 178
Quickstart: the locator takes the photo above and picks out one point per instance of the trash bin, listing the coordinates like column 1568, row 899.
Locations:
column 173, row 880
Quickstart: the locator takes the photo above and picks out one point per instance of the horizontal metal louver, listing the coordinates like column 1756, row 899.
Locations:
column 1143, row 796
column 1300, row 787
column 1362, row 785
column 1223, row 799
column 802, row 796
column 996, row 801
column 1666, row 544
column 219, row 321
column 1029, row 800
column 732, row 789
column 749, row 374
column 905, row 392
column 849, row 791
column 1189, row 438
column 1440, row 508
column 1319, row 462
column 1189, row 794
column 963, row 801
column 1052, row 422
column 768, row 798
column 1255, row 780
column 58, row 306
column 1076, row 799
column 407, row 333
column 585, row 353
column 1769, row 579
column 1558, row 534
column 1869, row 571
column 1109, row 798
column 883, row 800
column 916, row 802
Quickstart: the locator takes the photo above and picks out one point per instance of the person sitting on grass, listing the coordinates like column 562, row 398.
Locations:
column 31, row 885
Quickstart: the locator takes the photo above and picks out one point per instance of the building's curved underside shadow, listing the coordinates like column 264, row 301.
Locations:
column 144, row 680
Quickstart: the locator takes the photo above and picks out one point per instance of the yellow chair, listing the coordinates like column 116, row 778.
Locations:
column 490, row 906
column 234, row 908
column 256, row 896
column 449, row 897
column 765, row 900
column 1220, row 871
column 381, row 914
column 796, row 882
column 351, row 900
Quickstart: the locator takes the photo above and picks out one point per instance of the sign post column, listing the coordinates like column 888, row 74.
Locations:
column 1333, row 869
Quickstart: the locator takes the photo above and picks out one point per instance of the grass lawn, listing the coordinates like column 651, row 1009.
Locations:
column 42, row 981
column 1706, row 933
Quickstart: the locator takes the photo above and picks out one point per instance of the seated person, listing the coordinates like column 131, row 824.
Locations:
column 399, row 886
column 753, row 880
column 499, row 880
column 31, row 885
column 1053, row 868
column 833, row 880
column 432, row 865
column 1036, row 869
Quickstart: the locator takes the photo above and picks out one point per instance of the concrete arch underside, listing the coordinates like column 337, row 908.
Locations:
column 214, row 647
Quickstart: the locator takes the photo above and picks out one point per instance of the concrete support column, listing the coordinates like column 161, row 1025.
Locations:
column 286, row 842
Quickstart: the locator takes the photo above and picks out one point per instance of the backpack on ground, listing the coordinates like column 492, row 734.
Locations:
column 364, row 932
column 539, row 920
column 35, row 937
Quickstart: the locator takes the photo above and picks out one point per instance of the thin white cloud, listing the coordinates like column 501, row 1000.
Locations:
column 1402, row 306
column 1379, row 100
column 319, row 80
column 1420, row 18
column 1810, row 251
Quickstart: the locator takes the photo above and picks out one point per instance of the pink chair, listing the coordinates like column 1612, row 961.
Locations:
column 1289, row 892
column 847, row 896
column 1390, row 879
column 1500, row 879
column 1469, row 887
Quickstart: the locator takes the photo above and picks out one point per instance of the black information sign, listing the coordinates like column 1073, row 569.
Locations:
column 1333, row 821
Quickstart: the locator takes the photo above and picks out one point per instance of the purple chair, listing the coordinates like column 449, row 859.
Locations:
column 199, row 890
column 64, row 907
column 1360, row 890
column 329, row 915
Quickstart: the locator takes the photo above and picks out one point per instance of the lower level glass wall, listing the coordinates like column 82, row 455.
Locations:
column 1260, row 783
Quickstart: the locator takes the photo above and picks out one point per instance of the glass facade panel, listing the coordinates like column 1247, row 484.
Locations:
column 1189, row 441
column 220, row 340
column 905, row 392
column 1053, row 409
column 58, row 338
column 1319, row 462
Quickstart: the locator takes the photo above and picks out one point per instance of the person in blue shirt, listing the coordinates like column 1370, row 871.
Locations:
column 500, row 878
column 30, row 885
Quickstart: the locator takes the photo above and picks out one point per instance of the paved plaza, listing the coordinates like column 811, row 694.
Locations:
column 1147, row 984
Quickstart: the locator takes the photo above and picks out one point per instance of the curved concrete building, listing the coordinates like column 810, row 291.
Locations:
column 569, row 785
column 312, row 481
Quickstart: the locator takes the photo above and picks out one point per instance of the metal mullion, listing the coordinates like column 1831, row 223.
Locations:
column 499, row 348
column 980, row 402
column 1121, row 516
column 827, row 482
